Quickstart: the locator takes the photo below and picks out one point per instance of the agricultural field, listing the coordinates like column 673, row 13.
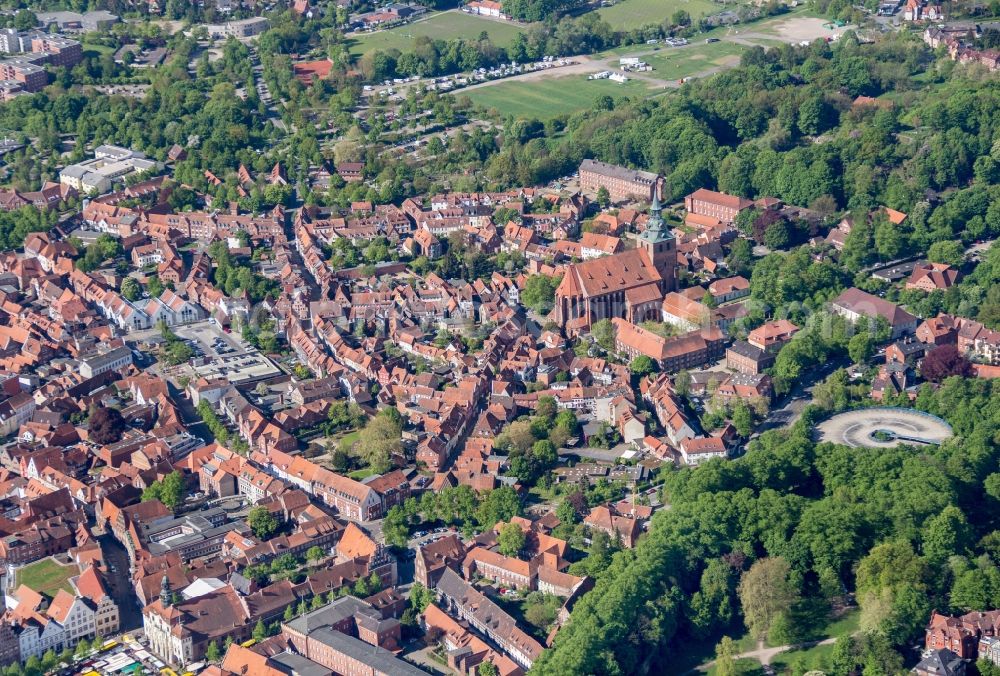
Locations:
column 442, row 25
column 627, row 14
column 46, row 576
column 548, row 98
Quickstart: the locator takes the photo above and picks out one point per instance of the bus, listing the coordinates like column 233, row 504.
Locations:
column 247, row 644
column 108, row 645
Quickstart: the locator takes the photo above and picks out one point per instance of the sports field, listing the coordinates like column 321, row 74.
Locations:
column 549, row 98
column 636, row 13
column 442, row 25
column 675, row 63
column 46, row 576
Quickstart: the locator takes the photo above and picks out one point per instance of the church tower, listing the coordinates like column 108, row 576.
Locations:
column 660, row 246
column 166, row 596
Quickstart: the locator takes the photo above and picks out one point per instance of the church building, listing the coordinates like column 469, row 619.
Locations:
column 629, row 285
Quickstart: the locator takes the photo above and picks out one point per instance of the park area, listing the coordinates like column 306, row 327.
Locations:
column 548, row 98
column 46, row 576
column 628, row 14
column 439, row 26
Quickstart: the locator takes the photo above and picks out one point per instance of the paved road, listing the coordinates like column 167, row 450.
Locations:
column 974, row 252
column 800, row 396
column 120, row 583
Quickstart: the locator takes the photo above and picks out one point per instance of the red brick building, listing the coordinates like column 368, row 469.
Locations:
column 623, row 184
column 717, row 205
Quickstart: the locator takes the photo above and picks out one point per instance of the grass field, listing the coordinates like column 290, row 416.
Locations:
column 636, row 13
column 550, row 97
column 46, row 576
column 443, row 26
column 673, row 64
column 744, row 667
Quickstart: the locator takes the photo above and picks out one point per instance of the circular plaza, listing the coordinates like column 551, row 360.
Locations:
column 884, row 427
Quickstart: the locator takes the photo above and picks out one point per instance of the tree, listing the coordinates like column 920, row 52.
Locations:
column 765, row 591
column 130, row 289
column 745, row 221
column 603, row 197
column 725, row 657
column 261, row 522
column 154, row 286
column 711, row 607
column 170, row 490
column 25, row 20
column 511, row 539
column 603, row 332
column 742, row 418
column 886, row 582
column 178, row 352
column 315, row 554
column 861, row 347
column 83, row 646
column 259, row 631
column 567, row 514
column 500, row 504
column 487, row 668
column 395, row 527
column 539, row 292
column 105, row 425
column 950, row 252
column 289, row 614
column 682, row 382
column 777, row 235
column 212, row 653
column 380, row 440
column 946, row 534
column 642, row 366
column 547, row 407
column 945, row 361
column 420, row 597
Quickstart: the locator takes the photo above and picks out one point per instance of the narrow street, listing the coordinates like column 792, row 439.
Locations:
column 120, row 583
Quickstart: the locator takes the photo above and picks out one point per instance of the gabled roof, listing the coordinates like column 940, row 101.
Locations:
column 354, row 543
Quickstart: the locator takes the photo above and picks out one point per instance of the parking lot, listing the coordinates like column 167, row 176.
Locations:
column 208, row 339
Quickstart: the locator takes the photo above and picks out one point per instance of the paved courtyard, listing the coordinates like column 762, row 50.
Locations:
column 883, row 428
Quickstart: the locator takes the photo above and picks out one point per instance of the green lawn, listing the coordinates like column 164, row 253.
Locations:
column 628, row 14
column 360, row 474
column 801, row 661
column 744, row 667
column 46, row 576
column 345, row 441
column 549, row 98
column 443, row 26
column 97, row 49
column 680, row 62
